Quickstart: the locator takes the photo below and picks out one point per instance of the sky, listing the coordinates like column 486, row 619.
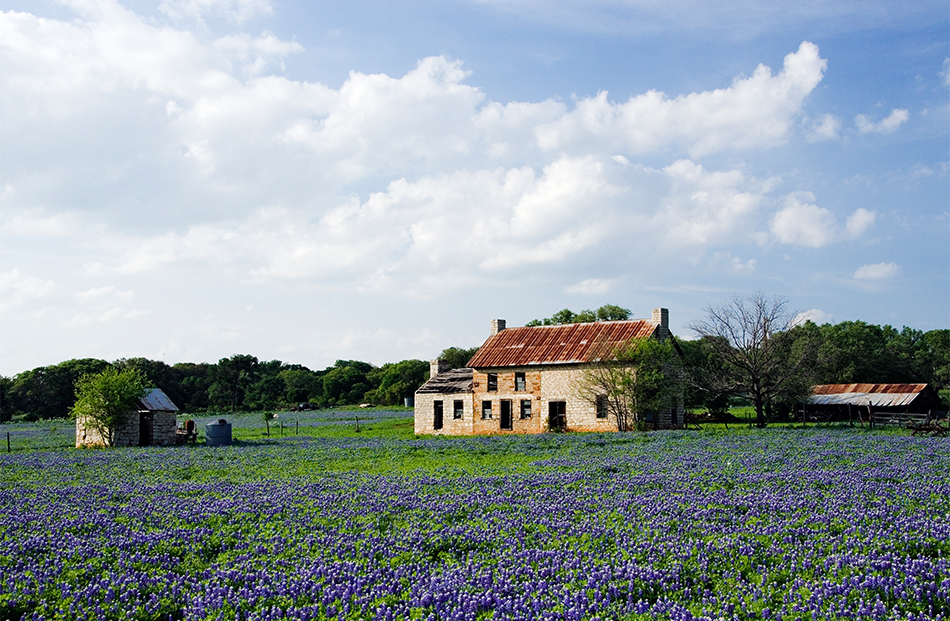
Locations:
column 185, row 180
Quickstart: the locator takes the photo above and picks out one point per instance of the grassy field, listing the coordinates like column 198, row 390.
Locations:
column 816, row 523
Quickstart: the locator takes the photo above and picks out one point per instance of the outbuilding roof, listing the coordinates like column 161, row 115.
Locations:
column 563, row 344
column 876, row 395
column 156, row 401
column 452, row 381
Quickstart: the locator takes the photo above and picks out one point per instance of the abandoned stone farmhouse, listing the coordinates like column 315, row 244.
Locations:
column 525, row 380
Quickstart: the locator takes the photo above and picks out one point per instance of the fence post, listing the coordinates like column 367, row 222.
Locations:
column 8, row 441
column 296, row 426
column 281, row 429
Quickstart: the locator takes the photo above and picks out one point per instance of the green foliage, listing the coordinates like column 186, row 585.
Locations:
column 607, row 312
column 639, row 377
column 49, row 392
column 396, row 381
column 104, row 400
column 457, row 357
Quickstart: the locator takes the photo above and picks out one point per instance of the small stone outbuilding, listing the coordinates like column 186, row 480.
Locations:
column 525, row 380
column 152, row 423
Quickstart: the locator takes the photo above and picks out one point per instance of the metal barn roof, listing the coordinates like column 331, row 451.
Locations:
column 157, row 401
column 878, row 395
column 564, row 344
column 453, row 381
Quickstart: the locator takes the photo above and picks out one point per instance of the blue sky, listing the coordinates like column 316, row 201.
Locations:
column 189, row 179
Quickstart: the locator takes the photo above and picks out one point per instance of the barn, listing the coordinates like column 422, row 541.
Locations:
column 152, row 423
column 858, row 401
column 525, row 380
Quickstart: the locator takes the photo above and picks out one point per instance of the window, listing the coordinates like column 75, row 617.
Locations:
column 601, row 406
column 437, row 415
column 486, row 409
column 520, row 384
column 458, row 409
column 492, row 382
column 526, row 408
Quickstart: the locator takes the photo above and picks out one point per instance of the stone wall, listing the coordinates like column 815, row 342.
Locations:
column 424, row 416
column 163, row 431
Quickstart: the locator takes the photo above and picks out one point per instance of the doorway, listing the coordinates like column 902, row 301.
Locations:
column 146, row 423
column 557, row 415
column 437, row 416
column 506, row 415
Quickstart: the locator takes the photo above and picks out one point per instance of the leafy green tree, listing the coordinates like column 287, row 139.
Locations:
column 346, row 382
column 396, row 381
column 634, row 379
column 104, row 400
column 607, row 312
column 6, row 407
column 49, row 392
column 302, row 384
column 265, row 394
column 231, row 378
column 457, row 357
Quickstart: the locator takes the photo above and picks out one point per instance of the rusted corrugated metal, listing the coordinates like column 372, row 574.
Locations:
column 156, row 401
column 447, row 382
column 565, row 344
column 876, row 395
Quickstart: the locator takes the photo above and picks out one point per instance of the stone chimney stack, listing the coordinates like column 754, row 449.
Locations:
column 662, row 317
column 438, row 366
column 497, row 325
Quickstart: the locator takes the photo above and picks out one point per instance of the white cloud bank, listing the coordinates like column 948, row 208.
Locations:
column 158, row 147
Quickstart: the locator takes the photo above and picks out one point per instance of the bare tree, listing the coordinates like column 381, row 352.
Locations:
column 630, row 380
column 752, row 355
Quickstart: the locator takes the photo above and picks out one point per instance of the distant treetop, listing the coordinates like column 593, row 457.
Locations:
column 607, row 312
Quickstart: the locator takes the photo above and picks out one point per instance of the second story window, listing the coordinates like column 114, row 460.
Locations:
column 492, row 382
column 520, row 384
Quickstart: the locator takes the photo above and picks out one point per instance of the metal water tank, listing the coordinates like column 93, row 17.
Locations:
column 218, row 433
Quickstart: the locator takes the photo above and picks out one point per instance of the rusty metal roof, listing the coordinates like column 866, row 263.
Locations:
column 453, row 381
column 156, row 401
column 571, row 343
column 878, row 395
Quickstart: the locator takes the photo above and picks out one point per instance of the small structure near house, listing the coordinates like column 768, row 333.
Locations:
column 525, row 380
column 152, row 423
column 866, row 401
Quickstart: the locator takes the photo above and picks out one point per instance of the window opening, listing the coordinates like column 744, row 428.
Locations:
column 526, row 408
column 492, row 382
column 459, row 409
column 520, row 384
column 486, row 409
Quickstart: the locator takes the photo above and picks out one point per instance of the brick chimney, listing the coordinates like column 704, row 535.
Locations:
column 438, row 366
column 497, row 325
column 662, row 317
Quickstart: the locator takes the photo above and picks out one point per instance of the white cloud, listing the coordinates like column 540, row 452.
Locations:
column 17, row 288
column 877, row 271
column 824, row 128
column 754, row 112
column 815, row 315
column 803, row 223
column 859, row 222
column 888, row 125
column 237, row 11
column 591, row 286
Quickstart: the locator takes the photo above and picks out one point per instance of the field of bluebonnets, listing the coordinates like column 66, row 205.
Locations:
column 774, row 524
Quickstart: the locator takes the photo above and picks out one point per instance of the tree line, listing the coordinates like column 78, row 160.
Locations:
column 750, row 351
column 239, row 383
